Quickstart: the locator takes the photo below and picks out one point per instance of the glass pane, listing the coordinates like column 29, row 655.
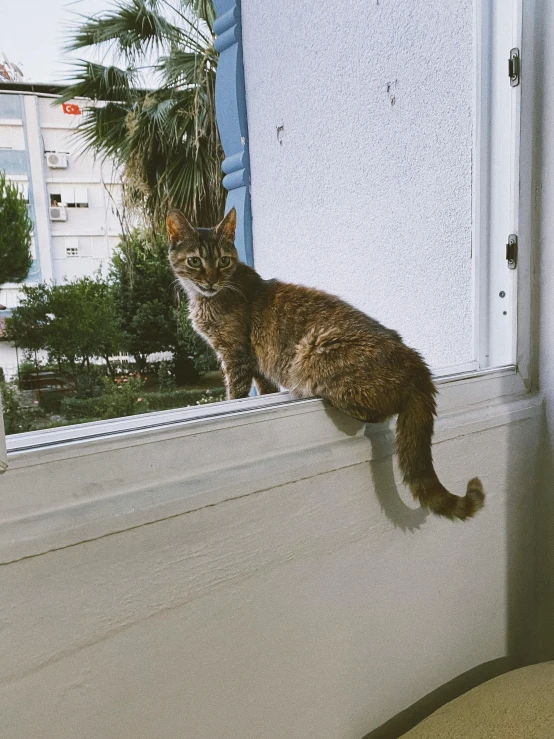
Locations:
column 362, row 182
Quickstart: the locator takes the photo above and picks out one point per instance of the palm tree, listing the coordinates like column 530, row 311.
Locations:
column 154, row 111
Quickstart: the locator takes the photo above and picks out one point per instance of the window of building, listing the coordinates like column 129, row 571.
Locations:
column 81, row 197
column 12, row 136
column 71, row 197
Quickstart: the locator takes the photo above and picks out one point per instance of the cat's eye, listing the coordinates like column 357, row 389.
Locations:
column 224, row 261
column 194, row 262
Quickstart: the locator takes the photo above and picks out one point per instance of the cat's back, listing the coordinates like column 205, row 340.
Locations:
column 293, row 310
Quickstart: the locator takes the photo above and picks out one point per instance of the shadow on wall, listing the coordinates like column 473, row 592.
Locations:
column 537, row 93
column 386, row 487
column 381, row 437
column 529, row 513
column 406, row 720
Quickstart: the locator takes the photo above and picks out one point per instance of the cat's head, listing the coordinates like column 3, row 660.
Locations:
column 202, row 258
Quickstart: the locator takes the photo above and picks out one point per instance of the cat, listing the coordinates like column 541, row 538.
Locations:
column 281, row 335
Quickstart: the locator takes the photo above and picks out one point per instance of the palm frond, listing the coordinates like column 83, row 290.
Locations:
column 133, row 28
column 99, row 82
column 104, row 130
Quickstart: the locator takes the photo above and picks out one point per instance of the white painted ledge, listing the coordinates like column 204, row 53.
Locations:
column 59, row 494
column 457, row 391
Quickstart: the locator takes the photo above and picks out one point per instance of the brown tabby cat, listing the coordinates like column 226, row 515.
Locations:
column 311, row 343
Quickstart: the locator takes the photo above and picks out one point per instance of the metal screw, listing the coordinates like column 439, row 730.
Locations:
column 502, row 294
column 505, row 313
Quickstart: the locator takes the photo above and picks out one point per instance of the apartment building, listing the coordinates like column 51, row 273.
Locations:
column 73, row 198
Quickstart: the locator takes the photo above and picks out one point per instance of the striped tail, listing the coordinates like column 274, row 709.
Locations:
column 414, row 432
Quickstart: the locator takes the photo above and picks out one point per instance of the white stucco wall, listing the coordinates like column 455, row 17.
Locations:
column 360, row 127
column 291, row 595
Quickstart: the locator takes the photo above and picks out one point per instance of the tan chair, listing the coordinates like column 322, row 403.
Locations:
column 517, row 705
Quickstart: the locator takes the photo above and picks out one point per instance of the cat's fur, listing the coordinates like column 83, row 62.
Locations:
column 311, row 343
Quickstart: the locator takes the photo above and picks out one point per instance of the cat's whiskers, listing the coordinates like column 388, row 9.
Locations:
column 234, row 288
column 175, row 286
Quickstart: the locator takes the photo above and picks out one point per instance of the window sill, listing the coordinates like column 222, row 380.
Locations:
column 455, row 391
column 115, row 477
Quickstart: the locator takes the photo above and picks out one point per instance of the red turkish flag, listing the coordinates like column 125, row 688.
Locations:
column 71, row 109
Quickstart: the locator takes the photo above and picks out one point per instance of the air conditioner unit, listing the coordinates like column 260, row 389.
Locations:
column 58, row 213
column 56, row 161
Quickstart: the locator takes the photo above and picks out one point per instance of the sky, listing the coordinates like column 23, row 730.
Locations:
column 32, row 34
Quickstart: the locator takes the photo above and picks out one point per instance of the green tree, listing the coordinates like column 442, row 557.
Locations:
column 15, row 234
column 28, row 325
column 152, row 309
column 164, row 138
column 74, row 321
column 144, row 295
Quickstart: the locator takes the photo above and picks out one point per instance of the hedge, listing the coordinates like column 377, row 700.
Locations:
column 79, row 408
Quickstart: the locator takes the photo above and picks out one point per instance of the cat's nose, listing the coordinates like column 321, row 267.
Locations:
column 211, row 278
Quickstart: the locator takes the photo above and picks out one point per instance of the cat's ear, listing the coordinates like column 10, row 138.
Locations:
column 178, row 228
column 228, row 225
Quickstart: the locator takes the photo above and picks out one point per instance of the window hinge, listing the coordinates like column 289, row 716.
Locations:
column 514, row 67
column 511, row 251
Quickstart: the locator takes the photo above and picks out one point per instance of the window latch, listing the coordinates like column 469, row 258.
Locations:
column 511, row 251
column 514, row 67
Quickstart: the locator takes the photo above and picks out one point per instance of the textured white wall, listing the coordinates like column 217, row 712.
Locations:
column 315, row 608
column 366, row 190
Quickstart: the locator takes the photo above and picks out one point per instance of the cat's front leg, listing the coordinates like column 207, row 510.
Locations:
column 239, row 374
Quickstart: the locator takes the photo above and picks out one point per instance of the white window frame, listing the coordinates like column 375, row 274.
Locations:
column 15, row 126
column 458, row 392
column 81, row 196
column 67, row 195
column 495, row 183
column 3, row 449
column 71, row 243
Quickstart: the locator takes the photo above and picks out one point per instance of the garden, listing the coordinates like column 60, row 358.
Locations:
column 115, row 346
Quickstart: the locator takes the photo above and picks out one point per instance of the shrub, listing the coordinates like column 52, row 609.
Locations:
column 80, row 408
column 16, row 419
column 166, row 376
column 123, row 396
column 50, row 401
column 117, row 403
column 89, row 384
column 182, row 398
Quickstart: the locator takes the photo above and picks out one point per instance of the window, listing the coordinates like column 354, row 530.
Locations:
column 400, row 199
column 72, row 197
column 12, row 135
column 86, row 246
column 81, row 197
